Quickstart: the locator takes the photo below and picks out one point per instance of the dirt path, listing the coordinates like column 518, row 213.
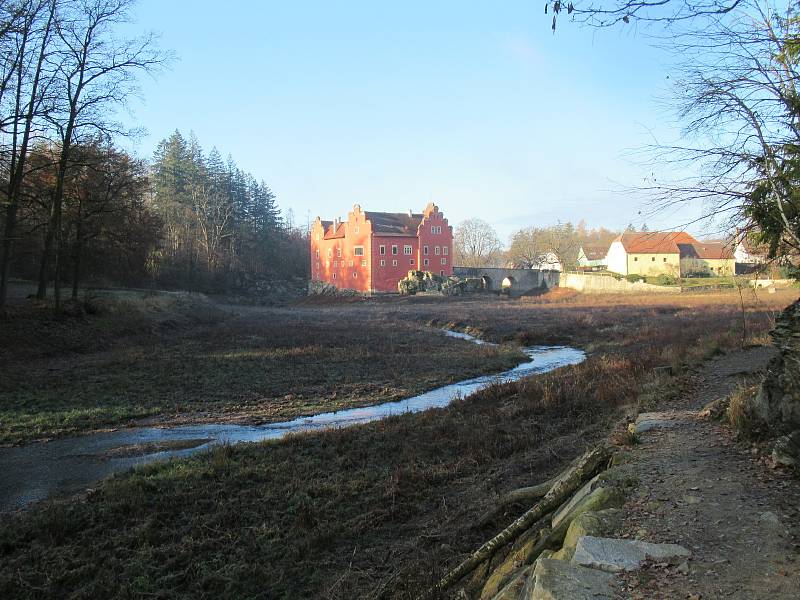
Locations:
column 699, row 488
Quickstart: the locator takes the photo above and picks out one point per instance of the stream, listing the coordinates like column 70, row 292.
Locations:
column 67, row 466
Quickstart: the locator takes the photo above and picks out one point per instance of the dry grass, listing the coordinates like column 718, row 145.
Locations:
column 740, row 413
column 380, row 510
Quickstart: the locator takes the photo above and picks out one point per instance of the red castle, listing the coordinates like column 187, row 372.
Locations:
column 372, row 251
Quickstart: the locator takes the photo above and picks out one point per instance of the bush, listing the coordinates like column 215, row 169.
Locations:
column 633, row 277
column 665, row 279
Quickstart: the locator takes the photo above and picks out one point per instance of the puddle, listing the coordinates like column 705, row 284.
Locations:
column 66, row 466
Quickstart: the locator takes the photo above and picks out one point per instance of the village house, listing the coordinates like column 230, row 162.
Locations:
column 592, row 257
column 674, row 253
column 371, row 251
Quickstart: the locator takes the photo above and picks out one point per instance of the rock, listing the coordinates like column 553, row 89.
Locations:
column 559, row 580
column 615, row 555
column 683, row 568
column 599, row 499
column 577, row 497
column 589, row 523
column 653, row 420
column 518, row 557
column 778, row 400
column 513, row 588
column 692, row 499
column 715, row 409
column 786, row 451
column 771, row 522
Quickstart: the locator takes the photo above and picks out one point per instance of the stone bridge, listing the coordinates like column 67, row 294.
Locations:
column 516, row 282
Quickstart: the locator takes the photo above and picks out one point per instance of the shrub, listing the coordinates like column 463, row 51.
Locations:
column 633, row 278
column 741, row 413
column 665, row 279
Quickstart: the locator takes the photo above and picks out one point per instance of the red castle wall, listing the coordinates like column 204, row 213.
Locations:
column 334, row 259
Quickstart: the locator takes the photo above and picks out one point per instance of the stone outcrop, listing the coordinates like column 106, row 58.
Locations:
column 424, row 281
column 559, row 580
column 613, row 555
column 778, row 399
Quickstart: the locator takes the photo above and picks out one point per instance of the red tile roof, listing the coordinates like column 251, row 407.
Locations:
column 706, row 250
column 594, row 251
column 654, row 242
column 394, row 223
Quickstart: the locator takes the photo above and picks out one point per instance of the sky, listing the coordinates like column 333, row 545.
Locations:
column 475, row 106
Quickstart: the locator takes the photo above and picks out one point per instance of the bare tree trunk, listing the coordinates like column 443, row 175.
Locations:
column 563, row 487
column 76, row 268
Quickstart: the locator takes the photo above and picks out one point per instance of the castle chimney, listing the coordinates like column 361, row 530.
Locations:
column 410, row 214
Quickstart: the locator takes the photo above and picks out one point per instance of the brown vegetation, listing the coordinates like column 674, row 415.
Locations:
column 384, row 509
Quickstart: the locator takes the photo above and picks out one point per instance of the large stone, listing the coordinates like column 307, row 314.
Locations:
column 559, row 580
column 615, row 555
column 517, row 558
column 653, row 420
column 778, row 400
column 576, row 498
column 589, row 523
column 599, row 499
column 786, row 451
column 513, row 588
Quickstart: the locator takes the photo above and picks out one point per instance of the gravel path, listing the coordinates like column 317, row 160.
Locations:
column 699, row 487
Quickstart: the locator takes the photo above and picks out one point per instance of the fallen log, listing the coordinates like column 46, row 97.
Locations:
column 564, row 485
column 525, row 495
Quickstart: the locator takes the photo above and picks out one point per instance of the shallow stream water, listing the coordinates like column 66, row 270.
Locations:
column 67, row 466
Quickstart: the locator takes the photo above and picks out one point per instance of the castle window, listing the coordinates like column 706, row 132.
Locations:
column 358, row 251
column 394, row 250
column 364, row 262
column 654, row 259
column 349, row 263
column 444, row 261
column 426, row 262
column 356, row 229
column 394, row 263
column 355, row 274
column 334, row 275
column 339, row 252
column 411, row 261
column 334, row 264
column 445, row 250
column 407, row 250
column 383, row 250
column 424, row 249
column 317, row 252
column 383, row 263
column 437, row 250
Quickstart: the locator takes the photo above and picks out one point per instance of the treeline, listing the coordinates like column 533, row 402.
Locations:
column 476, row 244
column 75, row 207
column 221, row 227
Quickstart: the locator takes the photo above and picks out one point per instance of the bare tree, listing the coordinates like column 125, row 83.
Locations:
column 95, row 72
column 530, row 246
column 738, row 97
column 25, row 104
column 615, row 12
column 476, row 244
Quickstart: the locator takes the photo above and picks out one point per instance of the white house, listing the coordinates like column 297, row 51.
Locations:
column 592, row 256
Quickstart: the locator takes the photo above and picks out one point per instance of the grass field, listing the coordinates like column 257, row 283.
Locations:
column 381, row 510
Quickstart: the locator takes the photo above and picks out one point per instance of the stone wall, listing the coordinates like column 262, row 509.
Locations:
column 599, row 284
column 778, row 400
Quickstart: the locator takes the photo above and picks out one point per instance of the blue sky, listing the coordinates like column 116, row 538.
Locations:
column 474, row 105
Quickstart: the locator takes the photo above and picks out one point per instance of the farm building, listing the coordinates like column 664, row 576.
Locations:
column 673, row 253
column 591, row 257
column 372, row 251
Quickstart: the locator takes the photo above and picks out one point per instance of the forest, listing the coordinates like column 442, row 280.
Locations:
column 77, row 209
